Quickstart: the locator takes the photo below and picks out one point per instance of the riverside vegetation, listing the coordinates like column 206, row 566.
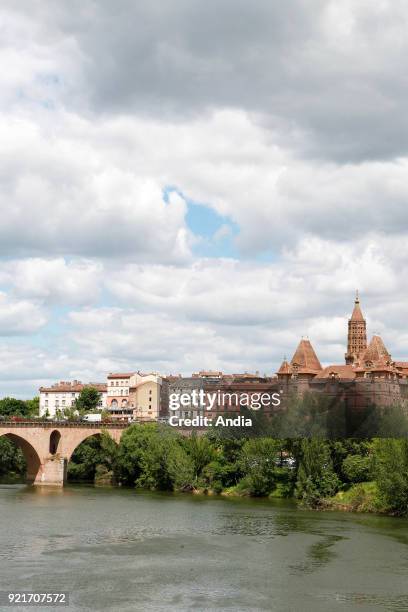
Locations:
column 366, row 475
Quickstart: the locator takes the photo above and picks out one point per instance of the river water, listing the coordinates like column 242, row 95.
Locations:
column 117, row 549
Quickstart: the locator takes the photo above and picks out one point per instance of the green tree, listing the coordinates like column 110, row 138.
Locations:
column 316, row 478
column 88, row 400
column 357, row 468
column 10, row 406
column 142, row 457
column 258, row 461
column 181, row 469
column 351, row 470
column 201, row 452
column 95, row 451
column 390, row 466
column 33, row 406
column 12, row 462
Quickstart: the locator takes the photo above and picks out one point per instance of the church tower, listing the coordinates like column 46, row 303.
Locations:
column 357, row 335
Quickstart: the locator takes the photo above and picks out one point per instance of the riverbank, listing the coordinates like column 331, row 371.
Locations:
column 319, row 474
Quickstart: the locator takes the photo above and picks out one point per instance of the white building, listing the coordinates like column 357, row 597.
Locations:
column 63, row 395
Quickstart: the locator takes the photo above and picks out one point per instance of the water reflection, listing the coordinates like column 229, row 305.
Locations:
column 318, row 554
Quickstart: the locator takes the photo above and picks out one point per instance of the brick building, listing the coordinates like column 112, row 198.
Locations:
column 369, row 375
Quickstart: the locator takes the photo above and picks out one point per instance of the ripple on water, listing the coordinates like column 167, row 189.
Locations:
column 391, row 603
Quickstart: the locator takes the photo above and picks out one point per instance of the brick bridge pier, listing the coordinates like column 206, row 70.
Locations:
column 48, row 445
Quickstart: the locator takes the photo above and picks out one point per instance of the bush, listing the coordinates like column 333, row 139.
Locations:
column 357, row 468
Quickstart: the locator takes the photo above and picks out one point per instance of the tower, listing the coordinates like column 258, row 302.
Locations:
column 357, row 335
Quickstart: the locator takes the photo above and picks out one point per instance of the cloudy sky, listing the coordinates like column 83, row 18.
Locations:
column 188, row 184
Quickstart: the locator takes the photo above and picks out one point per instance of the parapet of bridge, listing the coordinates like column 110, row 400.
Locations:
column 48, row 446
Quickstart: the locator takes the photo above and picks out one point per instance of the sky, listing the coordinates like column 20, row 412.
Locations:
column 192, row 185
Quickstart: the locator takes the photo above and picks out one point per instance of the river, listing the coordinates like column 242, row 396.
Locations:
column 122, row 550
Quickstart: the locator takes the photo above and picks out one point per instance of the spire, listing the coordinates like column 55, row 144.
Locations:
column 357, row 314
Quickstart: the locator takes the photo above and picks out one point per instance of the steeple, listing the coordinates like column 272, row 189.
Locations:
column 357, row 335
column 357, row 314
column 284, row 369
column 305, row 358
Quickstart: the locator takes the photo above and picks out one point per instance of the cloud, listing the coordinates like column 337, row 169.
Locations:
column 325, row 76
column 54, row 281
column 286, row 120
column 219, row 313
column 96, row 189
column 19, row 317
column 64, row 194
column 244, row 317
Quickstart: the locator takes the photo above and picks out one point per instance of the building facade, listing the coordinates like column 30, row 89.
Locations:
column 133, row 395
column 62, row 395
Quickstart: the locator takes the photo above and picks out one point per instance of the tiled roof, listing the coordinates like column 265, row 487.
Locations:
column 120, row 375
column 206, row 373
column 341, row 371
column 357, row 315
column 305, row 357
column 376, row 351
column 75, row 387
column 285, row 368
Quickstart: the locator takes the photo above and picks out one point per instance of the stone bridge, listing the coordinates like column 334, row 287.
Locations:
column 48, row 445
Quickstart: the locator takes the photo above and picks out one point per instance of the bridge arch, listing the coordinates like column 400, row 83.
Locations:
column 47, row 447
column 55, row 439
column 31, row 456
column 86, row 436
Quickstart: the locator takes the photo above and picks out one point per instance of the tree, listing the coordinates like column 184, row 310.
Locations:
column 142, row 457
column 11, row 459
column 10, row 406
column 201, row 452
column 391, row 474
column 316, row 478
column 357, row 468
column 181, row 469
column 88, row 400
column 33, row 406
column 95, row 451
column 258, row 461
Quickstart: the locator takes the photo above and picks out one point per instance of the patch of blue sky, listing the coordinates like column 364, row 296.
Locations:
column 215, row 234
